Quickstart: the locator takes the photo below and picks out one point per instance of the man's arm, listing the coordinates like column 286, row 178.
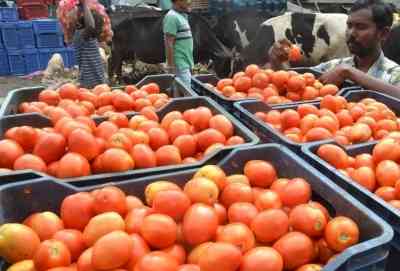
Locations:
column 169, row 48
column 343, row 72
column 170, row 29
column 87, row 15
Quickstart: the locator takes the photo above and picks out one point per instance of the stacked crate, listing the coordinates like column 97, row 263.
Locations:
column 29, row 45
column 33, row 9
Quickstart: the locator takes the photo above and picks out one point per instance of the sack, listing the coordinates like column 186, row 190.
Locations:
column 67, row 13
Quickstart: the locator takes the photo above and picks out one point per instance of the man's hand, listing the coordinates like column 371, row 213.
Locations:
column 279, row 52
column 337, row 75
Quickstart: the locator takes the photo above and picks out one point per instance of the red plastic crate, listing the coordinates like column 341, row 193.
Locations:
column 21, row 3
column 30, row 12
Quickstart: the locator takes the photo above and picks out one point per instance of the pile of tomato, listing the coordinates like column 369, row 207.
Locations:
column 71, row 101
column 77, row 147
column 273, row 87
column 250, row 221
column 379, row 171
column 336, row 118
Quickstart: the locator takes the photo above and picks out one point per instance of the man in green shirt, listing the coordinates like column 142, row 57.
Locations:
column 179, row 41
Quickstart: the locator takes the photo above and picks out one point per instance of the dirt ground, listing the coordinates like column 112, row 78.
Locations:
column 12, row 82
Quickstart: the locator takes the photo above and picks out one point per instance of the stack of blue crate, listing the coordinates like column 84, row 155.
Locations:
column 29, row 46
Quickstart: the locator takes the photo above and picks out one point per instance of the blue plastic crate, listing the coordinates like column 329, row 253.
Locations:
column 71, row 61
column 17, row 62
column 50, row 40
column 25, row 34
column 46, row 26
column 4, row 67
column 369, row 254
column 245, row 112
column 9, row 34
column 8, row 14
column 46, row 54
column 382, row 208
column 31, row 58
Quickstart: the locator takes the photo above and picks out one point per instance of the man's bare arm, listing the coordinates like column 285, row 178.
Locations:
column 369, row 82
column 342, row 72
column 87, row 15
column 169, row 46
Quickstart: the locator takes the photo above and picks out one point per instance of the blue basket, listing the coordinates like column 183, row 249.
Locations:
column 47, row 26
column 199, row 85
column 50, row 40
column 17, row 62
column 247, row 109
column 4, row 67
column 71, row 61
column 375, row 203
column 8, row 14
column 31, row 58
column 25, row 34
column 180, row 104
column 46, row 54
column 375, row 235
column 9, row 34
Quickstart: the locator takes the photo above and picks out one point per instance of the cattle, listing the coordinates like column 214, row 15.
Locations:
column 141, row 37
column 320, row 36
column 238, row 28
column 391, row 46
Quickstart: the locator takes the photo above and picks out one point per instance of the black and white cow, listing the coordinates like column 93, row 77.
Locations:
column 391, row 47
column 238, row 28
column 320, row 36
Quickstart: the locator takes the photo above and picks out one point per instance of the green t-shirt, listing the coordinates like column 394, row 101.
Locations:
column 165, row 4
column 177, row 24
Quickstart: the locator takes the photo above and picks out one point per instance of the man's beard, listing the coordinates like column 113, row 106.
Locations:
column 358, row 49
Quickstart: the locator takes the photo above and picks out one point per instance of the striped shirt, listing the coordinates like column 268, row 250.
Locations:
column 383, row 69
column 91, row 69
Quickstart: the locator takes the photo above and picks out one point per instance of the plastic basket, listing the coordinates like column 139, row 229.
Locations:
column 47, row 26
column 247, row 109
column 46, row 54
column 199, row 81
column 49, row 41
column 21, row 3
column 31, row 58
column 370, row 254
column 168, row 85
column 16, row 62
column 4, row 66
column 376, row 204
column 8, row 14
column 26, row 37
column 182, row 104
column 9, row 35
column 33, row 11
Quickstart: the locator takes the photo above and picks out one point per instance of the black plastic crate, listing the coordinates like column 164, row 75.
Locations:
column 383, row 209
column 199, row 81
column 167, row 84
column 19, row 200
column 266, row 133
column 36, row 120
